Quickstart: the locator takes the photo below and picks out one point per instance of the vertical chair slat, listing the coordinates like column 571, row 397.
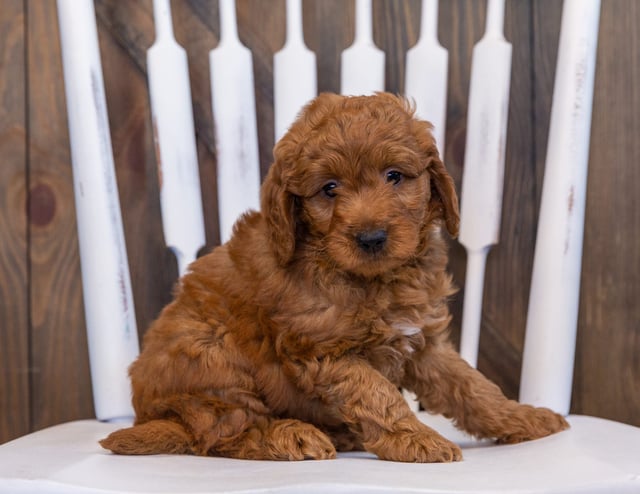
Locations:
column 483, row 174
column 427, row 74
column 234, row 112
column 175, row 142
column 111, row 324
column 294, row 73
column 362, row 64
column 552, row 318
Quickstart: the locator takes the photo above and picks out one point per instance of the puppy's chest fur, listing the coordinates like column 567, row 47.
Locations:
column 384, row 321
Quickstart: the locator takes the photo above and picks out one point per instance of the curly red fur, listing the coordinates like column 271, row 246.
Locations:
column 291, row 340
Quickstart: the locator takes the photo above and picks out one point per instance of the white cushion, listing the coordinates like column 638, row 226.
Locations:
column 595, row 455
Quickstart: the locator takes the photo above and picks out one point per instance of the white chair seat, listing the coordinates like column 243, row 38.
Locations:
column 593, row 454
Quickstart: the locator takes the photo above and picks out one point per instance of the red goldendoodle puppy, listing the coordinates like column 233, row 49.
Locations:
column 291, row 340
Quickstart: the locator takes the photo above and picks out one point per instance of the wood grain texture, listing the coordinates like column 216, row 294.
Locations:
column 328, row 30
column 43, row 356
column 607, row 380
column 60, row 382
column 14, row 300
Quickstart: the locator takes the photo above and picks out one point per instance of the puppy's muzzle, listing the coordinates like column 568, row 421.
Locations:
column 372, row 241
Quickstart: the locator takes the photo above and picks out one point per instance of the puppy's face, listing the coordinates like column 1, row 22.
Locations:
column 362, row 181
column 363, row 194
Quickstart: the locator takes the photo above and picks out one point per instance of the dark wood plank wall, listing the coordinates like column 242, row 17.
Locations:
column 44, row 376
column 14, row 245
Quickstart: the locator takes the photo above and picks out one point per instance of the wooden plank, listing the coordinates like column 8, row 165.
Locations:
column 546, row 16
column 61, row 387
column 608, row 367
column 14, row 305
column 328, row 29
column 396, row 28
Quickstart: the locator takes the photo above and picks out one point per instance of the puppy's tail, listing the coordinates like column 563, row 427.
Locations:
column 150, row 438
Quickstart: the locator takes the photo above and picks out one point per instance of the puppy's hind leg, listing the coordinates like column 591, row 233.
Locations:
column 209, row 426
column 154, row 437
column 343, row 438
column 278, row 439
column 249, row 432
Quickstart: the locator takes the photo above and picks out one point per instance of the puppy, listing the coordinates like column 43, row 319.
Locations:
column 291, row 341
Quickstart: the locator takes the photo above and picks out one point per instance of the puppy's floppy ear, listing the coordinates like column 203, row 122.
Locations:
column 443, row 191
column 278, row 208
column 443, row 195
column 279, row 205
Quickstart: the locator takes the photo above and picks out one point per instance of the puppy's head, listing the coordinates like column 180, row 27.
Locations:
column 360, row 178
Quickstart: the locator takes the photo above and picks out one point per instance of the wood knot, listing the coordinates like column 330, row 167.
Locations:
column 41, row 205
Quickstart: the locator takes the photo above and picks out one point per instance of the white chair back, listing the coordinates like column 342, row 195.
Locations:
column 239, row 172
column 110, row 316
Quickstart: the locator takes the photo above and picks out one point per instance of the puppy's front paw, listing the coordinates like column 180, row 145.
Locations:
column 417, row 447
column 528, row 423
column 295, row 440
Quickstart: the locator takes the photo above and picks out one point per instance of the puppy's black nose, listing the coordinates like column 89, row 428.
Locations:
column 372, row 241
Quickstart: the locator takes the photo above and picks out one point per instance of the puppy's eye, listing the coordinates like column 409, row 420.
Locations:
column 393, row 177
column 329, row 189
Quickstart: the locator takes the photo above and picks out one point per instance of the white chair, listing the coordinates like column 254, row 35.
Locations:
column 595, row 455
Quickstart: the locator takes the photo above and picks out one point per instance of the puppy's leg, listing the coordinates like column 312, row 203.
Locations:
column 447, row 385
column 374, row 409
column 154, row 437
column 222, row 429
column 209, row 426
column 343, row 438
column 278, row 439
